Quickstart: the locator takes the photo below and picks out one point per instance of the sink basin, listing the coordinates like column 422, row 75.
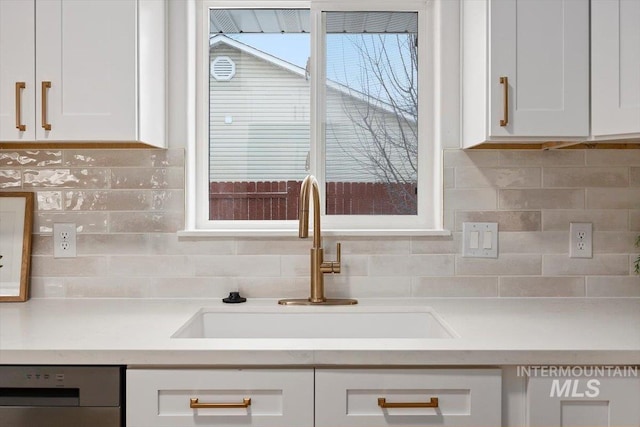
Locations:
column 364, row 322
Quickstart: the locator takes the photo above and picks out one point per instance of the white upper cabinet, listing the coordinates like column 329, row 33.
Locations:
column 17, row 74
column 525, row 70
column 98, row 73
column 615, row 69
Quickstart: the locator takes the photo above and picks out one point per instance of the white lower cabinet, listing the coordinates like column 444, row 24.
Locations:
column 225, row 397
column 408, row 397
column 289, row 397
column 584, row 400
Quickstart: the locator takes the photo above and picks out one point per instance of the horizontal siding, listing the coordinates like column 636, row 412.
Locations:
column 269, row 136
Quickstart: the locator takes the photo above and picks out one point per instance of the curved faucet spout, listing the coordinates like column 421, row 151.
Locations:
column 309, row 189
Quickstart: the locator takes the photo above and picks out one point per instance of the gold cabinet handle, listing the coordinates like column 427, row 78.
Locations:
column 505, row 101
column 45, row 87
column 432, row 403
column 194, row 404
column 19, row 87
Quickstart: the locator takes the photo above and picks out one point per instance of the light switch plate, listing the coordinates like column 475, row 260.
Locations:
column 480, row 239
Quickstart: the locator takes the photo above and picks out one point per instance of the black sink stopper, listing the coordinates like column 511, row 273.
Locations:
column 234, row 298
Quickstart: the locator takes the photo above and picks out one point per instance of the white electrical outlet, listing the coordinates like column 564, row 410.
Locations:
column 64, row 240
column 581, row 240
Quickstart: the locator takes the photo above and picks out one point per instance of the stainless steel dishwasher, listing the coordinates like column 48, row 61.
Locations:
column 61, row 396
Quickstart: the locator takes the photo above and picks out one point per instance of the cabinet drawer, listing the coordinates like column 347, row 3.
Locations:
column 159, row 398
column 462, row 397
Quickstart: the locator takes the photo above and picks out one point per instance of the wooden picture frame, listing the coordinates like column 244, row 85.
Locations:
column 16, row 224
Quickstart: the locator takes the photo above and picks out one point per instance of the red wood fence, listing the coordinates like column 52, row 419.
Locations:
column 278, row 200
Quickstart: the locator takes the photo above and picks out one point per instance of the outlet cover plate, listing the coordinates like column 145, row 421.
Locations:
column 580, row 240
column 64, row 240
column 480, row 239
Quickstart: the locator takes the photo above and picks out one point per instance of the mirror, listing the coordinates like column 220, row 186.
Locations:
column 16, row 222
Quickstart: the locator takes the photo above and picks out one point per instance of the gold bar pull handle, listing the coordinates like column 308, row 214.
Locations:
column 45, row 87
column 432, row 403
column 195, row 404
column 505, row 101
column 19, row 87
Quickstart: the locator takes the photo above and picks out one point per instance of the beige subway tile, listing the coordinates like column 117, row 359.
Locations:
column 468, row 177
column 42, row 244
column 368, row 245
column 145, row 222
column 505, row 264
column 282, row 246
column 295, row 265
column 171, row 244
column 299, row 265
column 66, row 178
column 470, row 199
column 533, row 242
column 107, row 287
column 541, row 199
column 86, row 222
column 83, row 266
column 586, row 177
column 151, row 266
column 448, row 178
column 465, row 287
column 455, row 158
column 541, row 158
column 31, row 158
column 167, row 200
column 600, row 264
column 273, row 287
column 49, row 200
column 613, row 198
column 192, row 287
column 149, row 178
column 10, row 179
column 542, row 287
column 47, row 287
column 634, row 177
column 634, row 220
column 238, row 265
column 613, row 242
column 436, row 244
column 113, row 244
column 607, row 286
column 603, row 220
column 412, row 265
column 507, row 220
column 142, row 158
column 613, row 157
column 448, row 219
column 92, row 200
column 367, row 287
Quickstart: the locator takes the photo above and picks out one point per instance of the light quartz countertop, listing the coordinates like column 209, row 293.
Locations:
column 490, row 332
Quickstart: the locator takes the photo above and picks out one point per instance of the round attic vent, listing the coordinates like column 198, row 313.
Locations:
column 223, row 68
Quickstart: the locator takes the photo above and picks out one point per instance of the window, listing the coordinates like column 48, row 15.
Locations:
column 335, row 89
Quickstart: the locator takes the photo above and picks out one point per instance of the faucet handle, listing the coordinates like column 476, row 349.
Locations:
column 335, row 265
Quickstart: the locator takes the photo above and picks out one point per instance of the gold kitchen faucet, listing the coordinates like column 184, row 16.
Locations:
column 319, row 267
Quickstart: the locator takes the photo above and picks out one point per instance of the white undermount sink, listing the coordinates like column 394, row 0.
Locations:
column 321, row 322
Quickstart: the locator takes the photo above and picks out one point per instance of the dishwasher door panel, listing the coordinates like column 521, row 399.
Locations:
column 33, row 416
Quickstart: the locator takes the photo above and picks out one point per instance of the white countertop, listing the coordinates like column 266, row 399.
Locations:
column 490, row 332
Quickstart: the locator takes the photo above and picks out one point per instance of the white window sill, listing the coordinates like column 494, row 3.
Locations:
column 327, row 232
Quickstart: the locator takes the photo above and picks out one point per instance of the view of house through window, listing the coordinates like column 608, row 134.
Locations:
column 260, row 113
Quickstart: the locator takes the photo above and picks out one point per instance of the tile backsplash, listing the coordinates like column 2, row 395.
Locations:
column 129, row 204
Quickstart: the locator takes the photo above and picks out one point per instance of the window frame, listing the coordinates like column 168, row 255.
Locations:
column 428, row 220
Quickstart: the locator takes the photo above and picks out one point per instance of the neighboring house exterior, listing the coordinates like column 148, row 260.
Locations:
column 259, row 121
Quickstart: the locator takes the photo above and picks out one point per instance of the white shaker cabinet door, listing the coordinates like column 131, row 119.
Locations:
column 17, row 71
column 583, row 401
column 86, row 50
column 525, row 71
column 615, row 69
